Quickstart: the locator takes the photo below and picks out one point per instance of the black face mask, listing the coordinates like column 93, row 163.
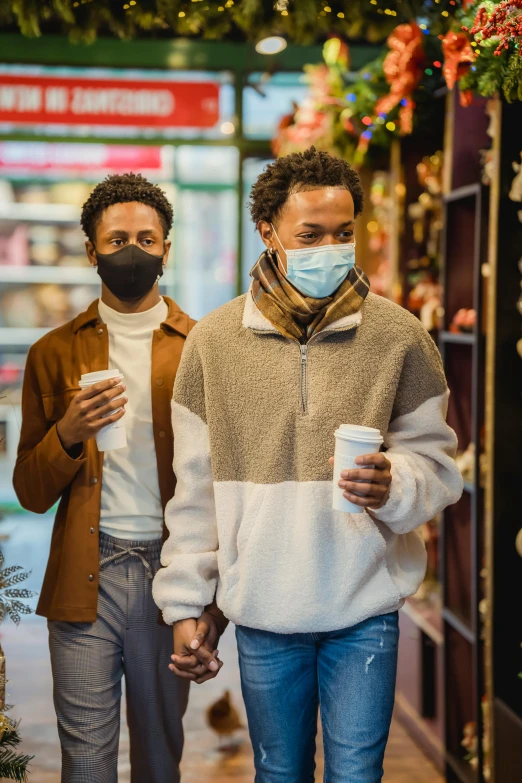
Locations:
column 129, row 273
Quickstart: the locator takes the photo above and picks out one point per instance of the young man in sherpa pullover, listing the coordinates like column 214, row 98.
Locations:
column 263, row 384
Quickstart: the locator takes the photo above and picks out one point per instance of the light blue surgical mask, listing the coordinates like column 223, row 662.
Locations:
column 319, row 271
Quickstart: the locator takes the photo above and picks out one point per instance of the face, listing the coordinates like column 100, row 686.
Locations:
column 129, row 223
column 311, row 218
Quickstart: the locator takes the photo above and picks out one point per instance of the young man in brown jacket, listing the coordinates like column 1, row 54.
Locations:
column 109, row 527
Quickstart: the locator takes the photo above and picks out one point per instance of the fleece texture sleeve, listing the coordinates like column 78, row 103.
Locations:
column 187, row 581
column 43, row 468
column 421, row 446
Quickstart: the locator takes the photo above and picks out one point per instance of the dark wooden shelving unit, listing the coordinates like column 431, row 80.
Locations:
column 464, row 250
column 504, row 380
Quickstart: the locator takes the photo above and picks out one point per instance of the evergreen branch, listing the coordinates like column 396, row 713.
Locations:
column 13, row 766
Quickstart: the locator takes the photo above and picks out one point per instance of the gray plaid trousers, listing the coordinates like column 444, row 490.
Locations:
column 88, row 661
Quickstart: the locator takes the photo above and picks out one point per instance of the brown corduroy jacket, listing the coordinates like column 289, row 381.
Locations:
column 45, row 473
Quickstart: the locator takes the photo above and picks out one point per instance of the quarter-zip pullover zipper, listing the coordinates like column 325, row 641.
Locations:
column 304, row 368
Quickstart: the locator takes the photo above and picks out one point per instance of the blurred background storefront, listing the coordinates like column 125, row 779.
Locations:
column 441, row 234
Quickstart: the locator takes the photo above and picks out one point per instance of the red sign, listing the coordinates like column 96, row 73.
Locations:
column 72, row 157
column 85, row 101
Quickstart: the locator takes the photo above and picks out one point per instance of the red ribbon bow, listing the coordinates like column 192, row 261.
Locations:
column 403, row 67
column 458, row 54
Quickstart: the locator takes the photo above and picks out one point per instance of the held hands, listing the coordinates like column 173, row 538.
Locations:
column 371, row 481
column 195, row 655
column 84, row 416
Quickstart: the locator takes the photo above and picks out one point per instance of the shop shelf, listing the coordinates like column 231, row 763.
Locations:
column 460, row 768
column 62, row 275
column 458, row 625
column 458, row 338
column 20, row 212
column 22, row 338
column 426, row 616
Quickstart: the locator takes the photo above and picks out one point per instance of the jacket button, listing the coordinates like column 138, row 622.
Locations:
column 159, row 381
column 94, row 481
column 91, row 577
column 162, row 434
column 100, row 331
column 93, row 530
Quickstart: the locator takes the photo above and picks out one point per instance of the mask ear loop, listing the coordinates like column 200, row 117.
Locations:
column 273, row 252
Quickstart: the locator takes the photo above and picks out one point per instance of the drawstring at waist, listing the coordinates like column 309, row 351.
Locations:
column 133, row 551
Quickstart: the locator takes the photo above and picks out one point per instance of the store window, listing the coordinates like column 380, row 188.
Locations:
column 206, row 227
column 267, row 98
column 252, row 245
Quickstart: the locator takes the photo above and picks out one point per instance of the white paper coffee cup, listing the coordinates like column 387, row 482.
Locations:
column 113, row 436
column 351, row 441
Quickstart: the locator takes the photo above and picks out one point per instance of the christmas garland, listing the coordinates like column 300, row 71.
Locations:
column 301, row 21
column 352, row 115
column 356, row 114
column 494, row 32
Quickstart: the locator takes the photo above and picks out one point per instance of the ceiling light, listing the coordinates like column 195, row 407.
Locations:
column 272, row 45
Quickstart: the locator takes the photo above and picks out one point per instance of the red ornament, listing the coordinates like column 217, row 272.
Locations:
column 458, row 54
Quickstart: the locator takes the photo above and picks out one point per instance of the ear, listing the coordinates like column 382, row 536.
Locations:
column 266, row 233
column 167, row 246
column 91, row 253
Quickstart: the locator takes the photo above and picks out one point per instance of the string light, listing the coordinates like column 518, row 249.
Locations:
column 437, row 64
column 422, row 26
column 373, row 2
column 351, row 96
column 367, row 120
column 132, row 2
column 390, row 126
column 327, row 9
column 445, row 13
column 428, row 72
column 221, row 8
column 340, row 15
column 367, row 134
column 372, row 226
column 380, row 120
column 284, row 13
column 182, row 14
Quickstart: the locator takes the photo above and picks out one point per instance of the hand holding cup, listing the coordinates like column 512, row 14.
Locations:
column 92, row 409
column 369, row 484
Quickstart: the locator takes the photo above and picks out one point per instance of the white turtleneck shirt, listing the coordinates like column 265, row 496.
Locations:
column 130, row 498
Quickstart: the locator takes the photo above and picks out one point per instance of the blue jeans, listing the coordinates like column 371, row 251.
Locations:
column 350, row 674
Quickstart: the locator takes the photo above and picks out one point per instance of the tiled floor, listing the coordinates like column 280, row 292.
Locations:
column 30, row 689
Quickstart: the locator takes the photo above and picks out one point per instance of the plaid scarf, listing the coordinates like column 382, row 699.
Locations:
column 298, row 316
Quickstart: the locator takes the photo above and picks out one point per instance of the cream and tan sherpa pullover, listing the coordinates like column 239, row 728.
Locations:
column 254, row 415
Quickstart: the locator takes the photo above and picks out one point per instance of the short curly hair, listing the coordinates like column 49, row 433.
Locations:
column 121, row 188
column 300, row 171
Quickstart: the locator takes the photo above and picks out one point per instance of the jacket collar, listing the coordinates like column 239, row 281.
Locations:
column 176, row 321
column 254, row 319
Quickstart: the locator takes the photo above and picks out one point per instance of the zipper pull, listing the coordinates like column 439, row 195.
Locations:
column 303, row 353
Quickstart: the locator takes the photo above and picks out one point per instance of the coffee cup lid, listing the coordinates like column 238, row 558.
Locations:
column 89, row 378
column 359, row 433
